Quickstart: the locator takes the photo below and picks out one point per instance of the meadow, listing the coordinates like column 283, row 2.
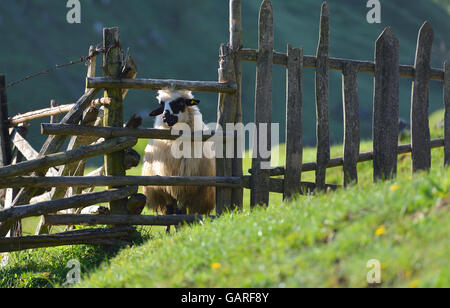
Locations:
column 323, row 240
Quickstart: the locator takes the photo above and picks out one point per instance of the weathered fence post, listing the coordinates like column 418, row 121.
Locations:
column 260, row 180
column 5, row 145
column 386, row 106
column 225, row 115
column 420, row 127
column 53, row 118
column 294, row 127
column 447, row 111
column 351, row 122
column 112, row 65
column 322, row 98
column 5, row 142
column 237, row 195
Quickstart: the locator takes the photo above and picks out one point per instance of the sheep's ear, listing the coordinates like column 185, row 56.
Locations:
column 192, row 102
column 157, row 112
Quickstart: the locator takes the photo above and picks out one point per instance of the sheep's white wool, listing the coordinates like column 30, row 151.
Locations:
column 158, row 161
column 168, row 95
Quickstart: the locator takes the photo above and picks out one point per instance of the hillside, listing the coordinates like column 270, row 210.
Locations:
column 180, row 39
column 323, row 240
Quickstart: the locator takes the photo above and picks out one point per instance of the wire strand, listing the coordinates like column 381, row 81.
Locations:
column 85, row 60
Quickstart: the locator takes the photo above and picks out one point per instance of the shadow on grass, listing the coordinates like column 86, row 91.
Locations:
column 51, row 267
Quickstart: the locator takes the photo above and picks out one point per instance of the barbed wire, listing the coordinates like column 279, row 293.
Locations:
column 96, row 52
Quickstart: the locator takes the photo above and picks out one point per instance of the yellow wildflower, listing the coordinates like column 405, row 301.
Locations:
column 380, row 231
column 414, row 284
column 216, row 266
column 394, row 187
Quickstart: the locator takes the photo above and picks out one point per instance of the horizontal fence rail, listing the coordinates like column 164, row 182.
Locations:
column 53, row 111
column 132, row 220
column 275, row 185
column 101, row 237
column 112, row 132
column 363, row 157
column 99, row 181
column 338, row 64
column 59, row 159
column 76, row 202
column 158, row 84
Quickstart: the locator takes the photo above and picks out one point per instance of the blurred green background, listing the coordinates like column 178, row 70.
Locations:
column 180, row 39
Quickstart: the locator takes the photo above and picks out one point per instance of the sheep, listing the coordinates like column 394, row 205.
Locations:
column 178, row 108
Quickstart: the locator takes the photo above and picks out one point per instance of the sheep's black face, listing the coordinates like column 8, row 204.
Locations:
column 170, row 119
column 172, row 110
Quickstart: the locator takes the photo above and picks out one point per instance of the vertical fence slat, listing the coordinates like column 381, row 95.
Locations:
column 260, row 180
column 447, row 111
column 386, row 106
column 237, row 195
column 5, row 142
column 112, row 66
column 294, row 128
column 420, row 127
column 351, row 123
column 22, row 130
column 54, row 118
column 322, row 98
column 226, row 115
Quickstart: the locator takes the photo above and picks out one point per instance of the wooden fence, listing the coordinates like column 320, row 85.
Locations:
column 95, row 127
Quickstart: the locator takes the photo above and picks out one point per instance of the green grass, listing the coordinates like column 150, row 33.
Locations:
column 46, row 268
column 323, row 240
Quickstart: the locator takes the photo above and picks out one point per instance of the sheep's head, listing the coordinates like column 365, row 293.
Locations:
column 173, row 106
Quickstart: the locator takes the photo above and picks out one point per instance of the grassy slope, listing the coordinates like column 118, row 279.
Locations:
column 323, row 241
column 315, row 241
column 180, row 39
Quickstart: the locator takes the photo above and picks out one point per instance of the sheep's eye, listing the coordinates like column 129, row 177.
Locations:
column 178, row 106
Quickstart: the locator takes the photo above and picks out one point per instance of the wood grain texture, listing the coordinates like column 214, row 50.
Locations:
column 54, row 143
column 25, row 149
column 226, row 114
column 131, row 220
column 447, row 112
column 111, row 132
column 75, row 202
column 100, row 181
column 322, row 97
column 53, row 160
column 294, row 126
column 5, row 141
column 158, row 84
column 48, row 112
column 237, row 195
column 351, row 124
column 420, row 127
column 277, row 186
column 22, row 131
column 74, row 168
column 363, row 157
column 100, row 237
column 263, row 106
column 386, row 106
column 338, row 64
column 112, row 67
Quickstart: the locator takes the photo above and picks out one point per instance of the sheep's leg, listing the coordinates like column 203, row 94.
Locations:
column 170, row 210
column 180, row 210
